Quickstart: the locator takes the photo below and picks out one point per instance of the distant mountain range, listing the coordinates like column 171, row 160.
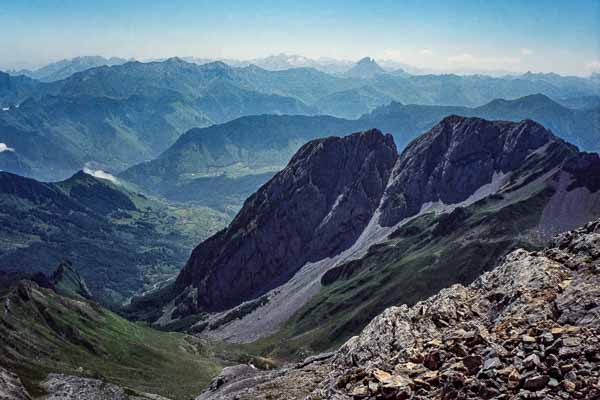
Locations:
column 65, row 68
column 120, row 241
column 117, row 116
column 350, row 227
column 222, row 165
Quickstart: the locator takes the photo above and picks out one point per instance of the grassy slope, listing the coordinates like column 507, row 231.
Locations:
column 42, row 332
column 120, row 241
column 423, row 257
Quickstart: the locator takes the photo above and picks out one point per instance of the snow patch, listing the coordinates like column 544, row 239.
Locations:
column 100, row 174
column 4, row 147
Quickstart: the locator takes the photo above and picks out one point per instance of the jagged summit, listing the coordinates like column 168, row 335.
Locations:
column 456, row 158
column 366, row 67
column 338, row 206
column 314, row 208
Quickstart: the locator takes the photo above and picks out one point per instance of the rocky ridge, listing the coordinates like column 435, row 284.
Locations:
column 268, row 265
column 528, row 329
column 313, row 209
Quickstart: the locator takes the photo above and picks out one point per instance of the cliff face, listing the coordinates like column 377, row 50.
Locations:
column 528, row 329
column 314, row 208
column 339, row 197
column 456, row 158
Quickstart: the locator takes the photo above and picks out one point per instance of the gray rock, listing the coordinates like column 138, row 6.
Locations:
column 11, row 387
column 65, row 387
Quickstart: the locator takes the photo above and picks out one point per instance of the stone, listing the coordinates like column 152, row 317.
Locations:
column 433, row 360
column 536, row 382
column 528, row 339
column 492, row 363
column 360, row 392
column 571, row 341
column 381, row 375
column 569, row 386
column 472, row 363
column 532, row 361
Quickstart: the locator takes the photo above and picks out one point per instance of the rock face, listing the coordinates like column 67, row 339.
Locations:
column 315, row 208
column 528, row 329
column 65, row 387
column 339, row 197
column 457, row 157
column 11, row 387
column 68, row 282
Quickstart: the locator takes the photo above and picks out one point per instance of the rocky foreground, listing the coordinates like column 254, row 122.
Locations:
column 530, row 329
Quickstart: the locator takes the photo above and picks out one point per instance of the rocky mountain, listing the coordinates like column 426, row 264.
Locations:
column 11, row 386
column 67, row 282
column 527, row 329
column 455, row 200
column 577, row 126
column 300, row 203
column 365, row 68
column 120, row 241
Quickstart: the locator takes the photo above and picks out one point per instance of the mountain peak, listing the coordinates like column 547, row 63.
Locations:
column 315, row 207
column 455, row 158
column 366, row 68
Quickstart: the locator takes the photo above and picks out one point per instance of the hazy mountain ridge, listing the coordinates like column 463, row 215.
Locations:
column 119, row 115
column 254, row 148
column 64, row 68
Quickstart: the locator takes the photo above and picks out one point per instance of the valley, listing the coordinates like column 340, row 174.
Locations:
column 262, row 201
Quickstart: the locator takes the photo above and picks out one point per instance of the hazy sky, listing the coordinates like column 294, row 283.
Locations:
column 538, row 35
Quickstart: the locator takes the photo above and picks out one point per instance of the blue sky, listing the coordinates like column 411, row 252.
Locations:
column 543, row 35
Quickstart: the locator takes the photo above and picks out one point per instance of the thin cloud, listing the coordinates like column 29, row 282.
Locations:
column 4, row 147
column 98, row 173
column 469, row 60
column 593, row 66
column 526, row 51
column 426, row 52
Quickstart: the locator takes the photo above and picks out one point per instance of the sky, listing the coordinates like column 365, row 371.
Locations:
column 514, row 36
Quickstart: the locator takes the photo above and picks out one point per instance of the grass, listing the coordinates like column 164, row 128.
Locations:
column 42, row 332
column 424, row 256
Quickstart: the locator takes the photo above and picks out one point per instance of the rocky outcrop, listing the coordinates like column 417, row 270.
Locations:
column 11, row 387
column 456, row 158
column 314, row 208
column 66, row 387
column 528, row 329
column 67, row 282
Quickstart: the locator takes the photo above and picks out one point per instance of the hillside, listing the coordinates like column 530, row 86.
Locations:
column 120, row 241
column 528, row 329
column 45, row 333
